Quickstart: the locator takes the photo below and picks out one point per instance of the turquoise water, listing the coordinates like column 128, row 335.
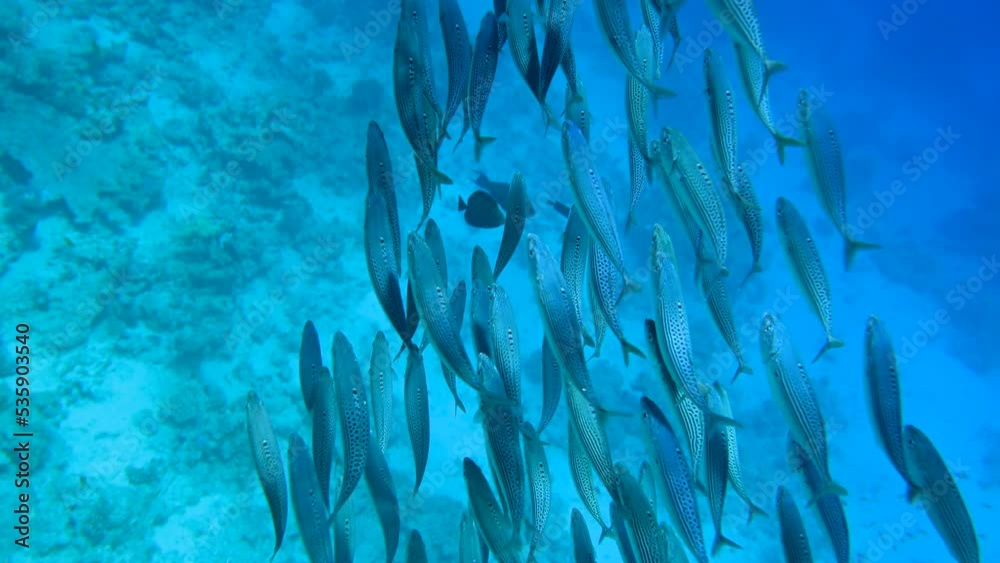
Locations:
column 183, row 187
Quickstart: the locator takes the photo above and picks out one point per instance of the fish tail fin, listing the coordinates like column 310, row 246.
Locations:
column 783, row 141
column 481, row 142
column 715, row 419
column 660, row 93
column 588, row 340
column 630, row 220
column 549, row 118
column 754, row 509
column 741, row 368
column 831, row 343
column 851, row 247
column 606, row 532
column 440, row 177
column 830, row 488
column 912, row 493
column 720, row 541
column 462, row 206
column 771, row 68
column 629, row 348
column 631, row 286
column 756, row 269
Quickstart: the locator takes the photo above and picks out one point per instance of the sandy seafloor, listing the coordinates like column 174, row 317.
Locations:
column 156, row 299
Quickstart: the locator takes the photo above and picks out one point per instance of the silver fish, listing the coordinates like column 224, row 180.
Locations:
column 588, row 423
column 429, row 186
column 540, row 483
column 807, row 267
column 378, row 476
column 551, row 385
column 310, row 512
column 583, row 477
column 653, row 18
column 792, row 390
column 678, row 483
column 562, row 330
column 751, row 215
column 722, row 313
column 722, row 117
column 717, row 476
column 673, row 185
column 418, row 418
column 794, row 541
column 590, row 196
column 739, row 17
column 830, row 507
column 381, row 264
column 380, row 381
column 573, row 264
column 753, row 73
column 523, row 46
column 637, row 97
column 936, row 487
column 640, row 514
column 513, row 228
column 612, row 17
column 324, row 428
column 343, row 538
column 458, row 52
column 501, row 427
column 568, row 65
column 639, row 173
column 825, row 160
column 378, row 165
column 484, row 68
column 600, row 323
column 882, row 392
column 505, row 343
column 470, row 548
column 416, row 551
column 578, row 112
column 583, row 547
column 479, row 301
column 608, row 287
column 457, row 305
column 270, row 470
column 495, row 526
column 354, row 424
column 648, row 480
column 733, row 454
column 558, row 27
column 622, row 538
column 310, row 362
column 433, row 303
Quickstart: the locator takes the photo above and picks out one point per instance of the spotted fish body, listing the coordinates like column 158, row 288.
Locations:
column 459, row 56
column 479, row 301
column 794, row 541
column 310, row 362
column 270, row 470
column 381, row 264
column 830, row 507
column 640, row 514
column 621, row 534
column 793, row 392
column 600, row 323
column 583, row 547
column 343, row 536
column 804, row 259
column 672, row 185
column 683, row 408
column 722, row 313
column 717, row 475
column 653, row 18
column 352, row 405
column 324, row 430
column 523, row 46
column 310, row 512
column 583, row 476
column 638, row 179
column 722, row 116
column 936, row 487
column 740, row 20
column 517, row 214
column 676, row 478
column 882, row 392
column 558, row 26
column 577, row 111
column 430, row 295
column 696, row 191
column 505, row 343
column 378, row 476
column 484, row 68
column 418, row 418
column 573, row 264
column 551, row 385
column 735, row 474
column 608, row 288
column 568, row 65
column 540, row 483
column 457, row 306
column 753, row 74
column 378, row 165
column 825, row 160
column 612, row 18
column 501, row 427
column 589, row 426
column 380, row 380
column 637, row 97
column 562, row 330
column 590, row 196
column 751, row 215
column 493, row 524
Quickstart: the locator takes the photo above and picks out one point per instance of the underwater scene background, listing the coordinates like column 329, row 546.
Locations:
column 186, row 184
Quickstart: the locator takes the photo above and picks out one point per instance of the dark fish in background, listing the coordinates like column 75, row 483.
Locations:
column 794, row 541
column 484, row 68
column 500, row 192
column 500, row 10
column 378, row 165
column 481, row 211
column 310, row 362
column 513, row 228
column 830, row 507
column 583, row 547
column 353, row 406
column 310, row 512
column 458, row 52
column 558, row 26
column 270, row 470
column 383, row 492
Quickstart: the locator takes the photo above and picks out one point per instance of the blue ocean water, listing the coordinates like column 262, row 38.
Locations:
column 184, row 186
